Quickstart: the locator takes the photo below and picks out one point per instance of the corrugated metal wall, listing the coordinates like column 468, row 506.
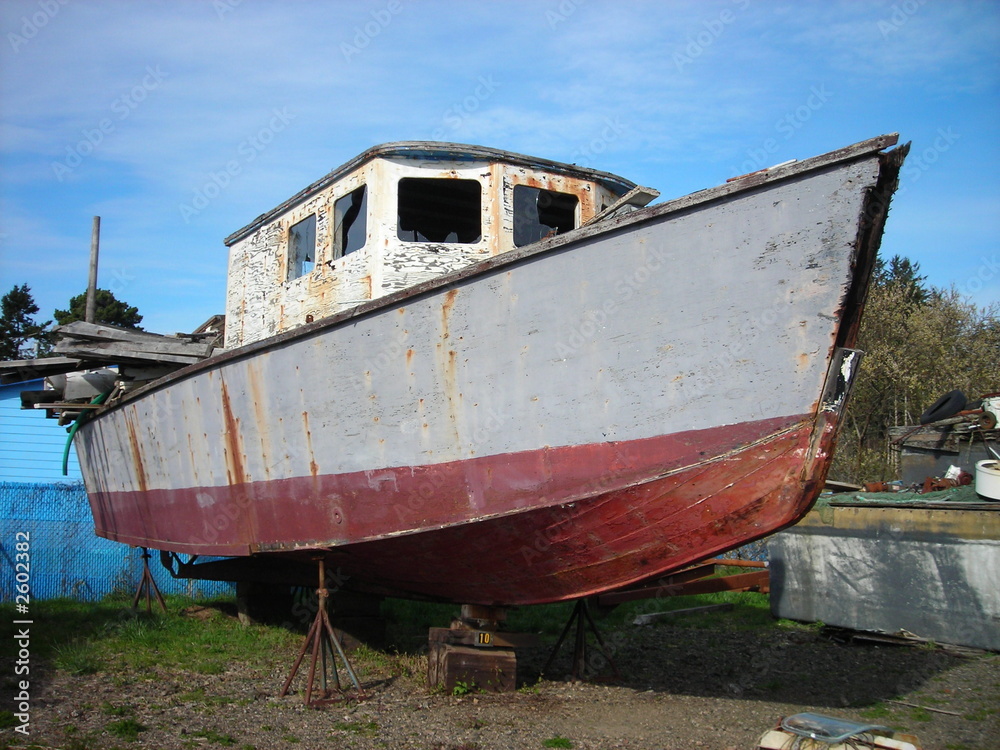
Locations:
column 31, row 446
column 67, row 558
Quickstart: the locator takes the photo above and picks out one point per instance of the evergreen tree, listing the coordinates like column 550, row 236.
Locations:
column 20, row 336
column 109, row 310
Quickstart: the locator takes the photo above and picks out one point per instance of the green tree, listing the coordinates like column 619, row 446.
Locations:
column 20, row 336
column 109, row 311
column 902, row 274
column 919, row 342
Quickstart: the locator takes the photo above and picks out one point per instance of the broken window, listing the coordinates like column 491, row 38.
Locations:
column 440, row 210
column 302, row 247
column 541, row 213
column 350, row 222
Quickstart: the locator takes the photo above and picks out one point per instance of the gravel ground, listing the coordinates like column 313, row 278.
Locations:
column 682, row 687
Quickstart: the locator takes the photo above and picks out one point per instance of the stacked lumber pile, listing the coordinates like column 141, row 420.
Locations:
column 104, row 345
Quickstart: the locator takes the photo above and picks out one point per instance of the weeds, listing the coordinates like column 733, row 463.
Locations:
column 463, row 688
column 126, row 729
column 364, row 728
column 557, row 741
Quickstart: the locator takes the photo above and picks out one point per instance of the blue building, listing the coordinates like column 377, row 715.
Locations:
column 31, row 446
column 38, row 499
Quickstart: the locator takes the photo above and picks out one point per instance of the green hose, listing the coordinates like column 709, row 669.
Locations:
column 99, row 399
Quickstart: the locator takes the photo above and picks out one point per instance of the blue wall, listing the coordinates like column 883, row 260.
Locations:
column 31, row 446
column 67, row 557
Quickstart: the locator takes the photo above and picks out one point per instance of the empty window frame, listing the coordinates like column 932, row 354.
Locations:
column 540, row 213
column 302, row 247
column 440, row 210
column 350, row 222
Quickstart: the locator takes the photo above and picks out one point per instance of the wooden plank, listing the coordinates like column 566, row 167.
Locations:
column 67, row 406
column 18, row 371
column 174, row 344
column 652, row 617
column 163, row 345
column 117, row 352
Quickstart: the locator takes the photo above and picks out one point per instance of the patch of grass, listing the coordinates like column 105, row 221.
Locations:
column 76, row 657
column 107, row 637
column 878, row 711
column 198, row 695
column 920, row 714
column 126, row 729
column 557, row 741
column 979, row 715
column 364, row 728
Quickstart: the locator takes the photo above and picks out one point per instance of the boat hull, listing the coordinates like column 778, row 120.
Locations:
column 558, row 421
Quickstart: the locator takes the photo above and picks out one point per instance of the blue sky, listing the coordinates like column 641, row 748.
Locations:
column 180, row 122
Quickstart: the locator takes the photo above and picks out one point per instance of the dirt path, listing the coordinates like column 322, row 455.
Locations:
column 682, row 688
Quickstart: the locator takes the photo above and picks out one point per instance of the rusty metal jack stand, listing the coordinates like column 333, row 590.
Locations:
column 324, row 641
column 147, row 586
column 581, row 616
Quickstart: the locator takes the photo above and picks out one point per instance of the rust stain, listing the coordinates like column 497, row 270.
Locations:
column 133, row 443
column 260, row 415
column 409, row 358
column 232, row 449
column 313, row 466
column 446, row 308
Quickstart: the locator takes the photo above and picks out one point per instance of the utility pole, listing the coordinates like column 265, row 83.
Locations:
column 95, row 241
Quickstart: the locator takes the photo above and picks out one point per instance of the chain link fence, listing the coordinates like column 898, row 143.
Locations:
column 67, row 559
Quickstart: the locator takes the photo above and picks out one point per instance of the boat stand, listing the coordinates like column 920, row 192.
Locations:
column 582, row 619
column 324, row 643
column 147, row 587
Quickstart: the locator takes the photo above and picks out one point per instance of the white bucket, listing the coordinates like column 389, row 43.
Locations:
column 988, row 479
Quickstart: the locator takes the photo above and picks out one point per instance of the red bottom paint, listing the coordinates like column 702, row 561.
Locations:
column 540, row 526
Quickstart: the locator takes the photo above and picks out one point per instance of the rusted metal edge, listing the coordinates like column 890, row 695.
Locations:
column 550, row 245
column 433, row 151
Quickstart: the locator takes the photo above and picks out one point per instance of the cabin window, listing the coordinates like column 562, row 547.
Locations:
column 440, row 210
column 302, row 247
column 350, row 222
column 541, row 213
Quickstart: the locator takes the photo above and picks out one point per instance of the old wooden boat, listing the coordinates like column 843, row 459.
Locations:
column 461, row 373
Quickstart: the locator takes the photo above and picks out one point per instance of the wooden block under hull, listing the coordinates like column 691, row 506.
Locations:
column 488, row 669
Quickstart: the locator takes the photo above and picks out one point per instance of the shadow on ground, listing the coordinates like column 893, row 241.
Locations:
column 790, row 666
